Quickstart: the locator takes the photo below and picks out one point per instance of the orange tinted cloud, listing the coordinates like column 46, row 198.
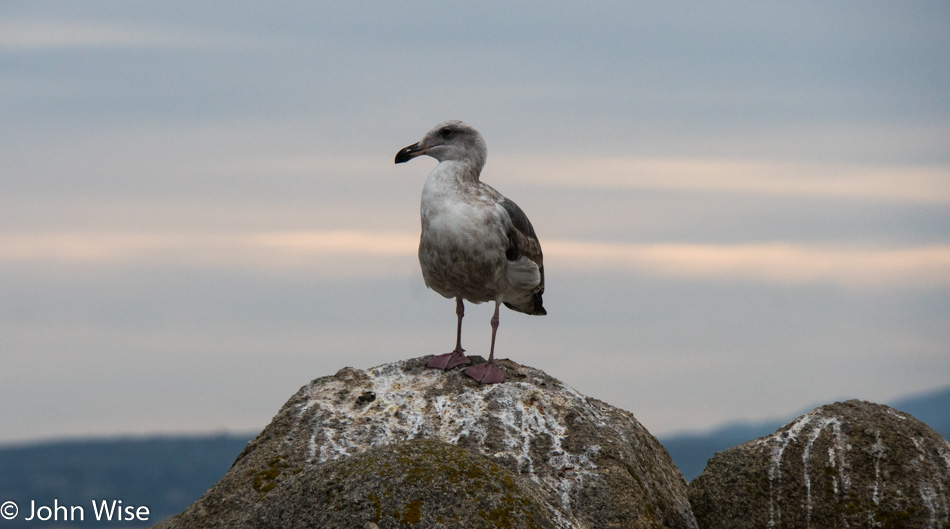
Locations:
column 899, row 183
column 350, row 252
column 771, row 262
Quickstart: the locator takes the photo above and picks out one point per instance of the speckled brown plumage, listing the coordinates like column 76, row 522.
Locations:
column 476, row 244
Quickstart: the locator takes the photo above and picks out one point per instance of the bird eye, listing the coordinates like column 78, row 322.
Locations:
column 445, row 132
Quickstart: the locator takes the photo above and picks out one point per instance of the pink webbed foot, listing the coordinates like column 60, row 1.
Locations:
column 448, row 361
column 487, row 373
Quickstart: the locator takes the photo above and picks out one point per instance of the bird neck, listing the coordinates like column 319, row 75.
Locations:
column 461, row 171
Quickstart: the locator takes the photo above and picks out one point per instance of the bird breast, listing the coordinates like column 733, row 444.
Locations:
column 463, row 242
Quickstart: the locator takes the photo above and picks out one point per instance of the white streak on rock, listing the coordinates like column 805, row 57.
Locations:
column 895, row 414
column 929, row 497
column 780, row 442
column 806, row 452
column 877, row 451
column 339, row 424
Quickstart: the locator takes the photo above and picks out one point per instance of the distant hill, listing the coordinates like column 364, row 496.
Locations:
column 165, row 474
column 168, row 473
column 690, row 451
column 932, row 408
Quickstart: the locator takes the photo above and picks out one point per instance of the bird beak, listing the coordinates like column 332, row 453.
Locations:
column 410, row 152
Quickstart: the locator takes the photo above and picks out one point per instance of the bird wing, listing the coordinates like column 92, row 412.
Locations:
column 523, row 243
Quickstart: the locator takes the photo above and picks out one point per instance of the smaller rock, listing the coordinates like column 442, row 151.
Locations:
column 365, row 398
column 848, row 464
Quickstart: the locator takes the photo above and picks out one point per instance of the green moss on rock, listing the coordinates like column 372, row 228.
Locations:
column 266, row 480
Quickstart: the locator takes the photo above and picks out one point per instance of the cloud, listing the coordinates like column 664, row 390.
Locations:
column 349, row 253
column 770, row 262
column 319, row 253
column 45, row 35
column 915, row 184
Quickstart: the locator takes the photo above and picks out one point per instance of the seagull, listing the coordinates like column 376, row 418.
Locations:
column 476, row 245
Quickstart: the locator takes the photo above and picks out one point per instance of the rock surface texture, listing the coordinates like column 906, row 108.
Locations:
column 400, row 446
column 848, row 464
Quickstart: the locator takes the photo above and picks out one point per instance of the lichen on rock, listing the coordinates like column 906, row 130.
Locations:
column 531, row 452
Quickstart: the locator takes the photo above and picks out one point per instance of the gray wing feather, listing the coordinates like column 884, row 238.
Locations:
column 523, row 242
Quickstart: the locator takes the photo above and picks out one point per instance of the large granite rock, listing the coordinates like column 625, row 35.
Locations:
column 848, row 464
column 402, row 446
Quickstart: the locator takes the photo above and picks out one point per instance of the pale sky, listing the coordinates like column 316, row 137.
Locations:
column 744, row 207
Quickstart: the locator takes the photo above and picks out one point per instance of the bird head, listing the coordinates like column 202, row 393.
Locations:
column 452, row 140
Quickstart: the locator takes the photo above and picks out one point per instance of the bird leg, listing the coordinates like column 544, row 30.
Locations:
column 488, row 373
column 456, row 357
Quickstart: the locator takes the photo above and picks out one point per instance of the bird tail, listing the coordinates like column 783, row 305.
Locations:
column 532, row 305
